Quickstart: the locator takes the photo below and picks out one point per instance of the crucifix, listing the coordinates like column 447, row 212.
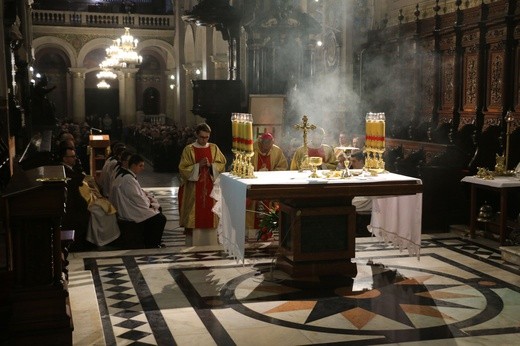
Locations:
column 304, row 126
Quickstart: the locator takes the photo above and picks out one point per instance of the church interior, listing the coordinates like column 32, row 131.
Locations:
column 441, row 76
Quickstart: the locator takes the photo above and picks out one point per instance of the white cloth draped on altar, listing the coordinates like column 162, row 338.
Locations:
column 396, row 219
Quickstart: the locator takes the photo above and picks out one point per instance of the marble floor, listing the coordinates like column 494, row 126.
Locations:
column 460, row 292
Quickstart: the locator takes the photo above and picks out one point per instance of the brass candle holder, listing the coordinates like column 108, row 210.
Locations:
column 248, row 168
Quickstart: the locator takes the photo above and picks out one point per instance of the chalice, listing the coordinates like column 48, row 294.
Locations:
column 314, row 162
column 346, row 171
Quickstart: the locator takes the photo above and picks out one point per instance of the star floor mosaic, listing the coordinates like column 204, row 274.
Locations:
column 457, row 291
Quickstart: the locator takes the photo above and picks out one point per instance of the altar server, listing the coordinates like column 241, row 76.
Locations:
column 105, row 178
column 134, row 204
column 199, row 168
column 315, row 148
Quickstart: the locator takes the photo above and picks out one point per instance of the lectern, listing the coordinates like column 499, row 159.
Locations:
column 36, row 287
column 99, row 145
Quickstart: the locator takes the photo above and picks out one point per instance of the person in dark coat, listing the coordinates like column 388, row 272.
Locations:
column 76, row 215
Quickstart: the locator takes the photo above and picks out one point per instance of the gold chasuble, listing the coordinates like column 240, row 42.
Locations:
column 195, row 203
column 274, row 160
column 324, row 151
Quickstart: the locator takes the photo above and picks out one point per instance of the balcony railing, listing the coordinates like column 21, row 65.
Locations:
column 110, row 20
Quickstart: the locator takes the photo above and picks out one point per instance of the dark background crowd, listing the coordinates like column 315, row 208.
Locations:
column 160, row 144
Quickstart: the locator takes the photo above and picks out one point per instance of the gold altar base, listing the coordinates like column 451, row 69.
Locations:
column 374, row 162
column 317, row 238
column 242, row 165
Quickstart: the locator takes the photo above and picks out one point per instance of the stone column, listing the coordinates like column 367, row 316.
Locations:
column 78, row 94
column 178, row 54
column 129, row 116
column 122, row 105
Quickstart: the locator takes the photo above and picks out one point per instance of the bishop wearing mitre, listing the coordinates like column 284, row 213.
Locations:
column 267, row 157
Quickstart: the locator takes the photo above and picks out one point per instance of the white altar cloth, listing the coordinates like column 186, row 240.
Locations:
column 395, row 219
column 497, row 182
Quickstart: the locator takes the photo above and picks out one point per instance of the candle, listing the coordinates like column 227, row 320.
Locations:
column 383, row 135
column 249, row 136
column 381, row 118
column 370, row 133
column 241, row 132
column 234, row 130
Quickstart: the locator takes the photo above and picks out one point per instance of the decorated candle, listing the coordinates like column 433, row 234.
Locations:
column 241, row 132
column 370, row 130
column 234, row 130
column 249, row 133
column 381, row 130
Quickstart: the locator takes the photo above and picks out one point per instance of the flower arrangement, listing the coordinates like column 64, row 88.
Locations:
column 269, row 222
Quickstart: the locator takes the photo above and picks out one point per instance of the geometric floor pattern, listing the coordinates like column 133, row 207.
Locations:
column 459, row 292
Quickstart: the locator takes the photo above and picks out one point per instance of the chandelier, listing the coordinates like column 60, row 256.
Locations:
column 106, row 74
column 103, row 85
column 122, row 52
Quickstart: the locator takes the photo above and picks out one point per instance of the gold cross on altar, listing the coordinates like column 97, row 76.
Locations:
column 304, row 126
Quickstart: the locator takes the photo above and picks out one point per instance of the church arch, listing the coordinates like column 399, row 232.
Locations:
column 53, row 63
column 98, row 43
column 164, row 48
column 57, row 43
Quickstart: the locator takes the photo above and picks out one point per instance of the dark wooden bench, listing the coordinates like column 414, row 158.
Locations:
column 66, row 239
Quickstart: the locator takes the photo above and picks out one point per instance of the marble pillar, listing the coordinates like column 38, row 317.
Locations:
column 78, row 94
column 129, row 105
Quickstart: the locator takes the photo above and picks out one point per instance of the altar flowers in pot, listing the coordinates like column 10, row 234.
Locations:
column 269, row 222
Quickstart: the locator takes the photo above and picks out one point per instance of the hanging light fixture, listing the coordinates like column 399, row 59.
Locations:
column 106, row 74
column 103, row 85
column 103, row 75
column 122, row 52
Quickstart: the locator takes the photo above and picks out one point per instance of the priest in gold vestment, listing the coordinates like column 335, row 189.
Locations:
column 200, row 165
column 267, row 157
column 315, row 148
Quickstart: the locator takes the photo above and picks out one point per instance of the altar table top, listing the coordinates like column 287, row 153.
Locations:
column 231, row 198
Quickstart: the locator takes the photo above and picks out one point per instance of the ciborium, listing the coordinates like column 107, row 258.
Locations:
column 314, row 162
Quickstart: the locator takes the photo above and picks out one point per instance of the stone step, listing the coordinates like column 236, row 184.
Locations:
column 511, row 254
